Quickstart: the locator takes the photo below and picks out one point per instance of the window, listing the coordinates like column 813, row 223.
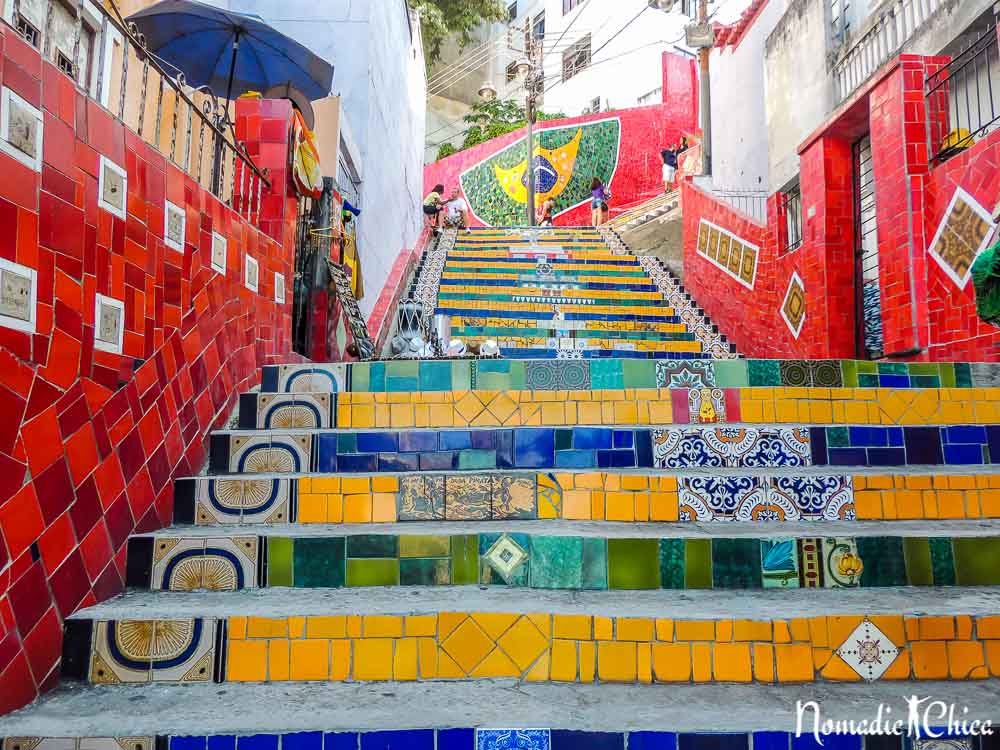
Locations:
column 511, row 72
column 576, row 57
column 538, row 27
column 651, row 97
column 791, row 201
column 64, row 63
column 568, row 5
column 512, row 12
column 30, row 33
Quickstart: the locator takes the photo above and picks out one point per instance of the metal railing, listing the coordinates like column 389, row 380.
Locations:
column 751, row 202
column 791, row 205
column 962, row 97
column 191, row 127
column 876, row 46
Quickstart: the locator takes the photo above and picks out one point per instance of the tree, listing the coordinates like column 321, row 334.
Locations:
column 491, row 119
column 445, row 150
column 440, row 19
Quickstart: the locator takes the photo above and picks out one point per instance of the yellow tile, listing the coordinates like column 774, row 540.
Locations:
column 326, row 626
column 540, row 671
column 839, row 628
column 576, row 505
column 267, row 627
column 663, row 506
column 603, row 629
column 421, row 625
column 732, row 662
column 448, row 621
column 634, row 629
column 304, row 485
column 724, row 630
column 496, row 664
column 694, row 630
column 372, row 658
column 382, row 483
column 965, row 660
column 588, row 661
column 616, row 661
column 937, row 628
column 278, row 660
column 357, row 509
column 574, row 627
column 664, row 629
column 247, row 661
column 794, row 662
column 427, row 654
column 753, row 630
column 353, row 626
column 382, row 626
column 404, row 663
column 701, row 660
column 335, row 509
column 619, row 506
column 564, row 660
column 763, row 662
column 930, row 660
column 310, row 659
column 237, row 628
column 645, row 662
column 296, row 627
column 468, row 645
column 312, row 508
column 671, row 662
column 326, row 485
column 523, row 643
column 494, row 624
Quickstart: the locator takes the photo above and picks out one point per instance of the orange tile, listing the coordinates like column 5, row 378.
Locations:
column 964, row 658
column 701, row 659
column 763, row 662
column 732, row 662
column 672, row 662
column 794, row 662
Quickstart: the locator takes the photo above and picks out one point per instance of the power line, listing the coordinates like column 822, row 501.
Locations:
column 568, row 27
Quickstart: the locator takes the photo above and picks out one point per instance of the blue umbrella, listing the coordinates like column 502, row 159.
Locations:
column 230, row 53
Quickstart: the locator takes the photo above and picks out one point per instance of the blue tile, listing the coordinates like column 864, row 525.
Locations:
column 993, row 436
column 341, row 740
column 326, row 453
column 456, row 739
column 566, row 739
column 622, row 459
column 483, row 440
column 895, row 437
column 302, row 741
column 817, row 445
column 511, row 739
column 770, row 740
column 644, row 449
column 834, row 741
column 257, row 742
column 713, row 742
column 402, row 385
column 923, row 445
column 378, row 442
column 894, row 381
column 534, row 449
column 868, row 437
column 188, row 743
column 965, row 434
column 591, row 438
column 415, row 442
column 575, row 459
column 443, row 460
column 652, row 741
column 963, row 454
column 886, row 457
column 357, row 462
column 408, row 739
column 376, row 377
column 505, row 449
column 435, row 376
column 222, row 742
column 848, row 457
column 398, row 462
column 455, row 440
column 623, row 438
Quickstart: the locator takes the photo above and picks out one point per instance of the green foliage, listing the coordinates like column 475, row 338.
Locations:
column 492, row 119
column 445, row 150
column 441, row 19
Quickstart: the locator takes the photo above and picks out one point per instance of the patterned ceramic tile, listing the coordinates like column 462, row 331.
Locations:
column 554, row 375
column 513, row 497
column 270, row 454
column 779, row 563
column 109, row 324
column 962, row 234
column 328, row 378
column 21, row 130
column 868, row 651
column 220, row 253
column 731, row 447
column 707, row 405
column 512, row 739
column 174, row 218
column 505, row 556
column 827, row 497
column 282, row 411
column 153, row 651
column 112, row 187
column 842, row 565
column 221, row 500
column 468, row 498
column 685, row 374
column 18, row 296
column 793, row 308
column 220, row 564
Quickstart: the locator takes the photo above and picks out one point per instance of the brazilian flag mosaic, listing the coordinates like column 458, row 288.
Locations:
column 565, row 161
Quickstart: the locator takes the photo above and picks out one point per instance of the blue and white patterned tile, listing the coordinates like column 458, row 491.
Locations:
column 679, row 373
column 513, row 739
column 218, row 564
column 284, row 411
column 718, row 498
column 779, row 563
column 326, row 378
column 814, row 497
column 234, row 501
column 270, row 454
column 734, row 447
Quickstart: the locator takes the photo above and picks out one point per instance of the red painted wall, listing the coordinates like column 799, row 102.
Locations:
column 644, row 131
column 680, row 88
column 90, row 441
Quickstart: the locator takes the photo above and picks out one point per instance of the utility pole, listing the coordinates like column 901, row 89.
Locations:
column 706, row 96
column 530, row 84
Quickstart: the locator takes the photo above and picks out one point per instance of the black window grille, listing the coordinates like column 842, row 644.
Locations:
column 511, row 12
column 28, row 31
column 576, row 57
column 791, row 200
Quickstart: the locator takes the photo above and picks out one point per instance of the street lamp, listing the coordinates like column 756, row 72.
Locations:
column 528, row 69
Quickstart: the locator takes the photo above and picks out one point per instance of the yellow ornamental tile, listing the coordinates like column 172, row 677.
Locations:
column 427, row 655
column 340, row 659
column 469, row 406
column 448, row 621
column 494, row 624
column 523, row 643
column 382, row 626
column 540, row 671
column 468, row 645
column 326, row 626
column 404, row 662
column 542, row 621
column 616, row 662
column 564, row 665
column 246, row 661
column 310, row 660
column 278, row 660
column 372, row 658
column 496, row 664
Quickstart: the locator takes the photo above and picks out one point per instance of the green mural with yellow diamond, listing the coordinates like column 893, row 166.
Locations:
column 566, row 159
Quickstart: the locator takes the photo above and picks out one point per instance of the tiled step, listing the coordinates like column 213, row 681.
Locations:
column 601, row 558
column 582, row 717
column 275, row 448
column 441, row 633
column 681, row 496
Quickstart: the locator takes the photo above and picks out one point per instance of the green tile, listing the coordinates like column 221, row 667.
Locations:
column 403, row 368
column 461, row 375
column 595, row 563
column 639, row 373
column 866, row 366
column 731, row 373
column 892, row 368
column 923, row 368
column 925, row 381
column 493, row 365
column 373, row 545
column 376, row 377
column 942, row 561
column 672, row 563
column 556, row 562
column 402, row 385
column 698, row 564
column 883, row 561
column 518, row 375
column 424, row 572
column 779, row 563
column 866, row 380
column 947, row 370
column 919, row 569
column 347, row 442
column 977, row 561
column 319, row 562
column 465, row 559
column 477, row 459
column 373, row 572
column 279, row 561
column 424, row 546
column 435, row 376
column 736, row 564
column 633, row 564
column 606, row 374
column 764, row 372
column 849, row 371
column 838, row 437
column 493, row 381
column 963, row 375
column 360, row 373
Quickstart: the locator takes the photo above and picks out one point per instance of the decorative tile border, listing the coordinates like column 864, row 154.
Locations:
column 536, row 647
column 557, row 562
column 112, row 189
column 793, row 307
column 733, row 255
column 964, row 232
column 584, row 496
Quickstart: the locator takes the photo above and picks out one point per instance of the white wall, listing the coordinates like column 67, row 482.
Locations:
column 379, row 72
column 627, row 68
column 739, row 117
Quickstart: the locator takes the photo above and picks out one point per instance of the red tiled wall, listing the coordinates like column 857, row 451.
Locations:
column 680, row 89
column 90, row 441
column 644, row 131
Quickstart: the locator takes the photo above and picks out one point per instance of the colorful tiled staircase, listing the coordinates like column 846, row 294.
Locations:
column 615, row 526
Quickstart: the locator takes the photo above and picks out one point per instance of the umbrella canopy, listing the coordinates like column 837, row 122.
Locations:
column 230, row 53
